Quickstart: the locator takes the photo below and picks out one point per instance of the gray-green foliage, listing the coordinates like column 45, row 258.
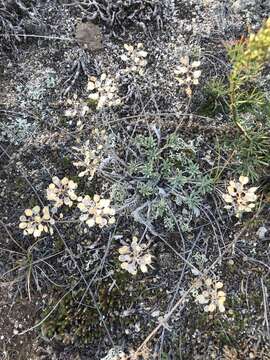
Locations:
column 37, row 88
column 164, row 179
column 16, row 131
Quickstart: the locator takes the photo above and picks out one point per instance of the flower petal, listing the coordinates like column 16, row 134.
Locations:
column 123, row 250
column 243, row 180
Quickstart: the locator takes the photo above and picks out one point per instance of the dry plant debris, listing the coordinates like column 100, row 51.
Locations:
column 116, row 353
column 230, row 353
column 163, row 183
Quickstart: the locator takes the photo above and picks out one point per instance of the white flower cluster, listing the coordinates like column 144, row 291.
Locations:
column 61, row 192
column 35, row 222
column 240, row 198
column 115, row 353
column 211, row 295
column 96, row 211
column 76, row 107
column 133, row 256
column 135, row 59
column 188, row 74
column 103, row 91
column 91, row 157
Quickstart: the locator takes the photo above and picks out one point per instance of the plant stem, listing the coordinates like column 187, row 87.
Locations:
column 233, row 108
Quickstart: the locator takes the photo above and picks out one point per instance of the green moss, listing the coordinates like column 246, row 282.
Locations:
column 58, row 244
column 92, row 104
column 66, row 162
column 228, row 329
column 20, row 183
column 32, row 201
column 72, row 322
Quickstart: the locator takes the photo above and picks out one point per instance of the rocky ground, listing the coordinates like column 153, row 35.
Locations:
column 126, row 101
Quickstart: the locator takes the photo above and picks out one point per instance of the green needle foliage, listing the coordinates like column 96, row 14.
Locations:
column 248, row 58
column 252, row 155
column 248, row 106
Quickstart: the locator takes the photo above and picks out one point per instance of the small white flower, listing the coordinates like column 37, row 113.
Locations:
column 184, row 60
column 124, row 57
column 211, row 296
column 92, row 157
column 35, row 222
column 197, row 74
column 135, row 59
column 61, row 192
column 181, row 70
column 103, row 91
column 133, row 256
column 96, row 211
column 243, row 180
column 195, row 64
column 239, row 197
column 187, row 75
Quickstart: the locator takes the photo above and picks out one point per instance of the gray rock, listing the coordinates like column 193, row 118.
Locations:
column 89, row 36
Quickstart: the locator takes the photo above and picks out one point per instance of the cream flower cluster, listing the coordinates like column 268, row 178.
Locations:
column 212, row 296
column 115, row 353
column 76, row 107
column 239, row 197
column 96, row 211
column 90, row 161
column 133, row 256
column 135, row 59
column 103, row 91
column 188, row 74
column 35, row 222
column 61, row 192
column 91, row 157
